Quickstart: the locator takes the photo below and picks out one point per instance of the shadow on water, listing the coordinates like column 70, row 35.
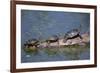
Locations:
column 65, row 53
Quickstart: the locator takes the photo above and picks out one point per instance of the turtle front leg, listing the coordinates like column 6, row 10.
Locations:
column 80, row 37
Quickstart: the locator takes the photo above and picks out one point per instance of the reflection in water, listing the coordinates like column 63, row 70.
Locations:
column 65, row 53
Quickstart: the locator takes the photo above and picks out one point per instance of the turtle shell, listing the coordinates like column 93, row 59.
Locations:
column 53, row 38
column 72, row 33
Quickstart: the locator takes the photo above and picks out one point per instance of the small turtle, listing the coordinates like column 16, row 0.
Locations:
column 72, row 34
column 53, row 39
column 31, row 43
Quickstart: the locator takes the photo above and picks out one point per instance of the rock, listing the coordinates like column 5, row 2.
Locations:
column 43, row 45
column 85, row 39
column 78, row 40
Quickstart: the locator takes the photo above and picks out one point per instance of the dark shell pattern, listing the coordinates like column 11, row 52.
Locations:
column 72, row 33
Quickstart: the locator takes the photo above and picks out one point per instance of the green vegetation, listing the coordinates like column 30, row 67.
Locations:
column 71, row 51
column 51, row 52
column 31, row 50
column 74, row 50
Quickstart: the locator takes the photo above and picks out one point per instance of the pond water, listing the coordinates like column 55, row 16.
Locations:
column 40, row 24
column 56, row 54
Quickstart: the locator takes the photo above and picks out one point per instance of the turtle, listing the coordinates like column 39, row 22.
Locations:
column 31, row 43
column 72, row 34
column 52, row 39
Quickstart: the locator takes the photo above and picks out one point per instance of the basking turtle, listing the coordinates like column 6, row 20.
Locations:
column 53, row 39
column 72, row 34
column 31, row 43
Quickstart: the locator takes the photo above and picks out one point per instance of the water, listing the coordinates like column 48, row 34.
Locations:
column 44, row 24
column 56, row 54
column 41, row 24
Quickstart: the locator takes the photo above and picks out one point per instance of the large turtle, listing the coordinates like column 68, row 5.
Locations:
column 72, row 34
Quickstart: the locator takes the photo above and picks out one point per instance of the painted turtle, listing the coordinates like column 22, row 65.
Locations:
column 31, row 43
column 53, row 39
column 72, row 34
